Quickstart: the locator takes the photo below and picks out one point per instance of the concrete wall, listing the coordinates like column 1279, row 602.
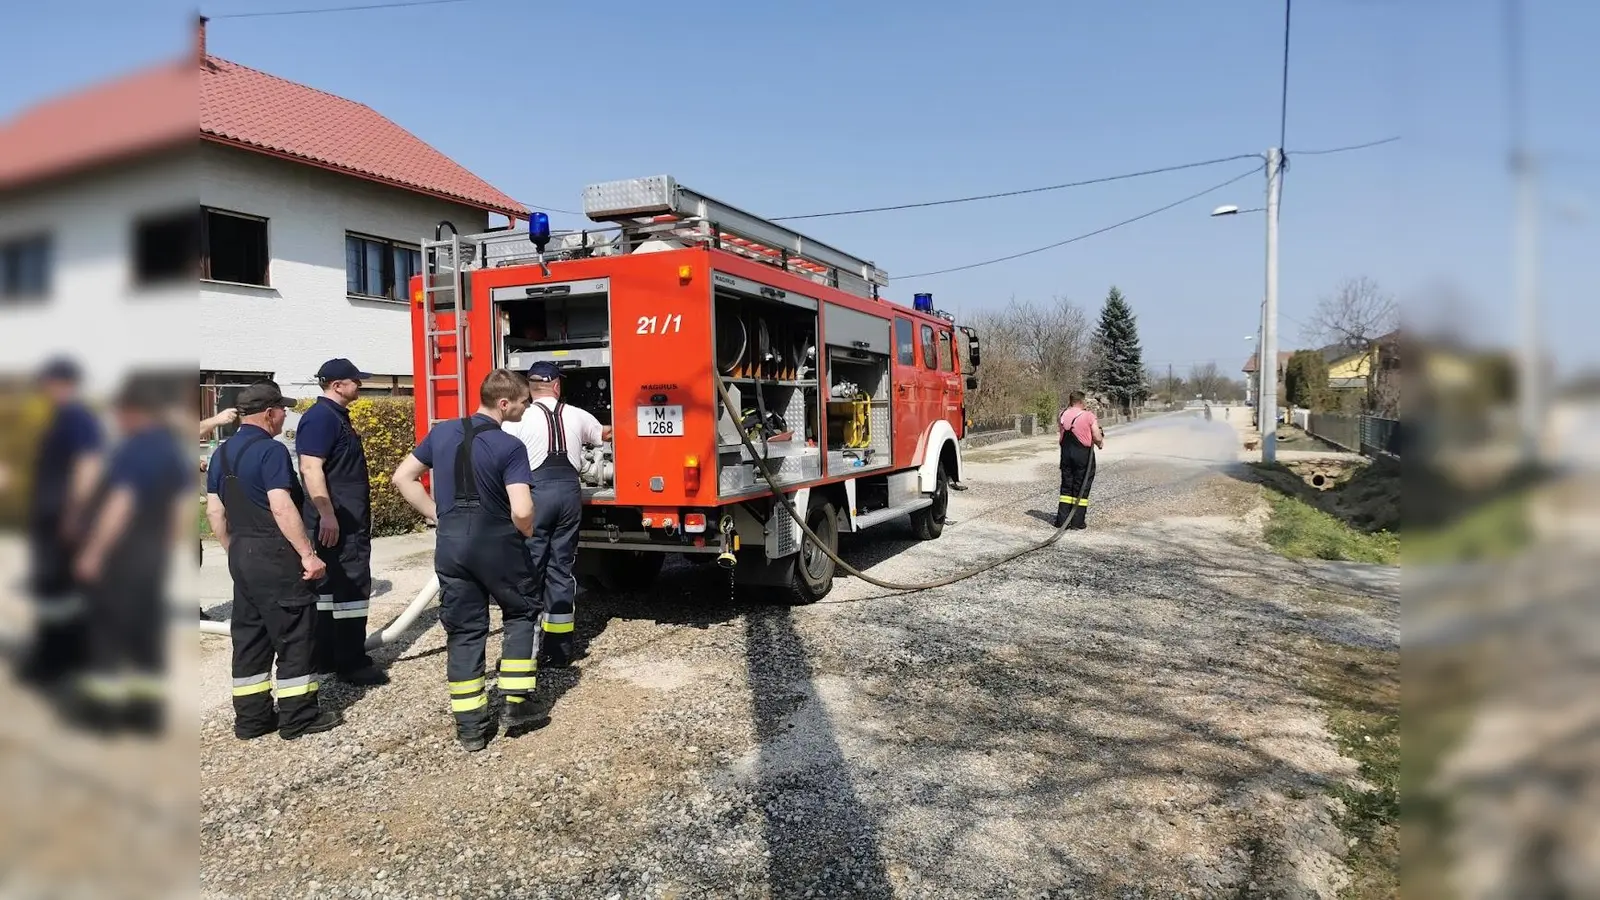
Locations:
column 305, row 316
column 93, row 311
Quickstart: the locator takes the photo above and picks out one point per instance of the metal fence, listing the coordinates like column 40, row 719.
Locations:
column 1367, row 435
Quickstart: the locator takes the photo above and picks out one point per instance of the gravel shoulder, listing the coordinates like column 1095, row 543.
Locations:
column 1117, row 714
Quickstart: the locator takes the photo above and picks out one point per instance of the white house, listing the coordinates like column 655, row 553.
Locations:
column 310, row 210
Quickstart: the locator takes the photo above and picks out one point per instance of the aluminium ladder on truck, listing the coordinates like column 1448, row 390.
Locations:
column 444, row 264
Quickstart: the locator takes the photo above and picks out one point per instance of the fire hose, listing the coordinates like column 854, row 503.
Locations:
column 963, row 575
column 386, row 635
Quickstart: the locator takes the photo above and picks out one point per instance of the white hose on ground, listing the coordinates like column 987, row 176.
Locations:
column 387, row 635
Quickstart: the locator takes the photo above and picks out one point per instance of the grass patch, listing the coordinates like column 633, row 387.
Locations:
column 1495, row 530
column 1301, row 531
column 1360, row 690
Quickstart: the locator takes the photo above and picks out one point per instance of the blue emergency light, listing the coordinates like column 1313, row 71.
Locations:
column 922, row 302
column 539, row 229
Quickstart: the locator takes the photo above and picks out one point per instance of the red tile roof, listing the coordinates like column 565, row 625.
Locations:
column 1283, row 360
column 157, row 109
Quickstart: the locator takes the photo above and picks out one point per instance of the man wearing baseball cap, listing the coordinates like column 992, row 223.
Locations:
column 253, row 502
column 555, row 438
column 338, row 513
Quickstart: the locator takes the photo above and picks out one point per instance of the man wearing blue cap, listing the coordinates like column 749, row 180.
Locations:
column 555, row 434
column 338, row 513
column 68, row 464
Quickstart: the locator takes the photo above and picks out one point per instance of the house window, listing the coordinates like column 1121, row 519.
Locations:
column 219, row 391
column 947, row 362
column 376, row 267
column 233, row 247
column 25, row 265
column 387, row 386
column 904, row 348
column 929, row 353
column 166, row 247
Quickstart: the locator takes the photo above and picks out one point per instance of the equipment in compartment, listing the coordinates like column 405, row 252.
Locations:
column 850, row 422
column 588, row 389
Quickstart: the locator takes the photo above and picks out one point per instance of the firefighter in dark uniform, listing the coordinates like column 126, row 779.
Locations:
column 1080, row 434
column 554, row 433
column 253, row 502
column 67, row 465
column 141, row 510
column 338, row 514
column 484, row 509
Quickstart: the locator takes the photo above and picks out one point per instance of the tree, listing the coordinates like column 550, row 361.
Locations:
column 1356, row 318
column 1118, row 369
column 1305, row 379
column 1207, row 380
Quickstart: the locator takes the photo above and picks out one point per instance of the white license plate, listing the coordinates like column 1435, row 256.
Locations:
column 660, row 421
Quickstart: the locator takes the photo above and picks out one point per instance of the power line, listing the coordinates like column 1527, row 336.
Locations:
column 1387, row 140
column 392, row 4
column 1072, row 240
column 1283, row 104
column 551, row 209
column 1033, row 190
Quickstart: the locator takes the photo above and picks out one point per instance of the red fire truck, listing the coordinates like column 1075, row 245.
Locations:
column 855, row 404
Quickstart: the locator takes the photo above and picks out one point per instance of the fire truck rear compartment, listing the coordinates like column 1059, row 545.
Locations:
column 569, row 324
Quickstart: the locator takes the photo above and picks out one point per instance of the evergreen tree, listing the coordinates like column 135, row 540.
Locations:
column 1118, row 370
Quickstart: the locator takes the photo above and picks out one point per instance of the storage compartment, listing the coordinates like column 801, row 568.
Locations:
column 858, row 421
column 568, row 324
column 766, row 352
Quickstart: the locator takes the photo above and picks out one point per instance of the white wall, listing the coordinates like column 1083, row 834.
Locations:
column 305, row 317
column 94, row 312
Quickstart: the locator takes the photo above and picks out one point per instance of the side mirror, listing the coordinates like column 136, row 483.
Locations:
column 972, row 382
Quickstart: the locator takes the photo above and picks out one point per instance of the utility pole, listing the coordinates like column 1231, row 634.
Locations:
column 1172, row 399
column 1530, row 387
column 1269, row 328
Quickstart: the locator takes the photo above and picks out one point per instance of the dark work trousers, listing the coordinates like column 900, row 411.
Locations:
column 59, row 643
column 127, row 624
column 274, row 618
column 1077, row 459
column 553, row 549
column 345, row 595
column 480, row 555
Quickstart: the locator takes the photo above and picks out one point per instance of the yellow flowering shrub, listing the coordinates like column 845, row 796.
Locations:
column 387, row 426
column 23, row 417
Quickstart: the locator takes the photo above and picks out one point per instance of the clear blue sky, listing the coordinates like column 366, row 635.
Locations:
column 802, row 107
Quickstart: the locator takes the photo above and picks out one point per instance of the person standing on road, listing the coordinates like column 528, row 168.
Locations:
column 1078, row 431
column 253, row 502
column 338, row 512
column 484, row 508
column 66, row 468
column 142, row 509
column 555, row 440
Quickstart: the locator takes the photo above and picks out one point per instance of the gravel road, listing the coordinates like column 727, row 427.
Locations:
column 1116, row 715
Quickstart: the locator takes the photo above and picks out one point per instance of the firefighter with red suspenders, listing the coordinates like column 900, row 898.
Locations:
column 1080, row 435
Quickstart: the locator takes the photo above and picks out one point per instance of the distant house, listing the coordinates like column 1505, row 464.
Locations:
column 1252, row 366
column 310, row 209
column 1350, row 369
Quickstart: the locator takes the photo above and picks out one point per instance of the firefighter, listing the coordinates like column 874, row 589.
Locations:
column 554, row 440
column 253, row 502
column 68, row 463
column 484, row 509
column 1078, row 431
column 140, row 511
column 338, row 513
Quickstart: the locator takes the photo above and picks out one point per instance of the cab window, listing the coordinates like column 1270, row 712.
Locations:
column 903, row 342
column 929, row 354
column 946, row 360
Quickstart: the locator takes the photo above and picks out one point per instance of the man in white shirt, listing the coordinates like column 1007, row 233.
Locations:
column 555, row 435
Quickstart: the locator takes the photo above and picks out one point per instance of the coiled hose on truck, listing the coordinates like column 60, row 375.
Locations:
column 800, row 519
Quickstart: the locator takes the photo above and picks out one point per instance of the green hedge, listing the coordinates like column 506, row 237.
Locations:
column 387, row 426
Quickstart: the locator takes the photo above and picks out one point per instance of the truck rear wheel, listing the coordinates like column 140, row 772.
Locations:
column 630, row 571
column 928, row 523
column 811, row 572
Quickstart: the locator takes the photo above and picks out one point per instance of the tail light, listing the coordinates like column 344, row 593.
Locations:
column 691, row 476
column 694, row 523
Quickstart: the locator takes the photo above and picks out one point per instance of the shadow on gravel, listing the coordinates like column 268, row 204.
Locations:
column 822, row 839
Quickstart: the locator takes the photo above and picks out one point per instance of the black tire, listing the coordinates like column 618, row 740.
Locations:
column 811, row 572
column 631, row 571
column 928, row 523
